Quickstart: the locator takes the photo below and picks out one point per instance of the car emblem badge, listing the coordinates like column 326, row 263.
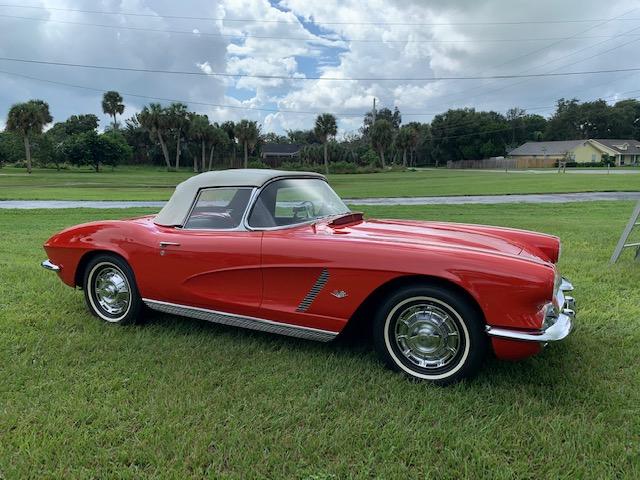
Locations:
column 339, row 293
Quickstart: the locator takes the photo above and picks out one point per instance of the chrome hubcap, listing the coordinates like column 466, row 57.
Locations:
column 427, row 335
column 112, row 291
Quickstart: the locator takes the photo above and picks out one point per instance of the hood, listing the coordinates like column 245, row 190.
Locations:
column 437, row 234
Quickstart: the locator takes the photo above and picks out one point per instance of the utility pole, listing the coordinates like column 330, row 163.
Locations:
column 374, row 109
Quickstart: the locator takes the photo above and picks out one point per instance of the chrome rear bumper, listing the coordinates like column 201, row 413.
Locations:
column 50, row 266
column 557, row 325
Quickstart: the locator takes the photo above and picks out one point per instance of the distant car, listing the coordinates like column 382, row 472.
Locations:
column 280, row 252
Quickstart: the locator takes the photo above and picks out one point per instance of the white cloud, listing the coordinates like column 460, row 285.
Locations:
column 448, row 49
column 65, row 42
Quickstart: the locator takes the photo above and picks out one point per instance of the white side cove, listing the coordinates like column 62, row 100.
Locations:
column 241, row 321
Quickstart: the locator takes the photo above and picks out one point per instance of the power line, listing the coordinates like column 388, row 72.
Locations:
column 563, row 66
column 462, row 124
column 485, row 132
column 316, row 39
column 624, row 34
column 451, row 126
column 184, row 32
column 250, row 20
column 337, row 79
column 259, row 109
column 163, row 99
column 592, row 27
column 567, row 65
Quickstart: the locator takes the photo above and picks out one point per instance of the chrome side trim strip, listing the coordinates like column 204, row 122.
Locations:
column 311, row 295
column 558, row 331
column 241, row 321
column 50, row 266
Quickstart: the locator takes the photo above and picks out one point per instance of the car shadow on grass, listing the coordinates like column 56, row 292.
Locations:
column 546, row 371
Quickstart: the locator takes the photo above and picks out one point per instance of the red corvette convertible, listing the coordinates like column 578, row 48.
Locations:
column 280, row 252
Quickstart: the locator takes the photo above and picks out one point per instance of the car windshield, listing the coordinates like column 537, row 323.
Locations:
column 291, row 201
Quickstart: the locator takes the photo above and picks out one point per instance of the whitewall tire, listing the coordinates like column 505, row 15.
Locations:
column 110, row 290
column 430, row 333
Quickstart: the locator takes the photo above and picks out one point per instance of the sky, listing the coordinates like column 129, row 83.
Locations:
column 353, row 50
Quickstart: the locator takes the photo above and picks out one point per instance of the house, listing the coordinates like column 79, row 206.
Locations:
column 275, row 153
column 624, row 152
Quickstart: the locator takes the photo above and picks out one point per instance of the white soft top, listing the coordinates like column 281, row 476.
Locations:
column 175, row 211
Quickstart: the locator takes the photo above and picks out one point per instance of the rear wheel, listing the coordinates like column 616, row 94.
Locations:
column 110, row 290
column 430, row 333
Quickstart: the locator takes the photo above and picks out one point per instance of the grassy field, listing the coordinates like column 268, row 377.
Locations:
column 180, row 398
column 127, row 183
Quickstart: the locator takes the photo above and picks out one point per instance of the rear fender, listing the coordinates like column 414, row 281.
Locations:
column 71, row 248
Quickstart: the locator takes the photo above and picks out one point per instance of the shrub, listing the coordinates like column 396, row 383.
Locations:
column 370, row 158
column 343, row 167
column 256, row 163
column 55, row 166
column 11, row 148
column 334, row 167
column 90, row 148
column 297, row 166
column 584, row 165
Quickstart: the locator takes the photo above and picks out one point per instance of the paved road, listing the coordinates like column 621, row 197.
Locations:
column 31, row 204
column 458, row 200
column 488, row 199
column 546, row 171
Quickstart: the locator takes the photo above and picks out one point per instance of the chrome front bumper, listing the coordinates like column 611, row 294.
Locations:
column 558, row 325
column 50, row 266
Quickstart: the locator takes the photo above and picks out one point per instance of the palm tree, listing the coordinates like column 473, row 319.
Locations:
column 325, row 128
column 381, row 134
column 112, row 105
column 27, row 119
column 199, row 130
column 216, row 136
column 247, row 132
column 419, row 133
column 230, row 129
column 404, row 141
column 177, row 116
column 139, row 139
column 154, row 119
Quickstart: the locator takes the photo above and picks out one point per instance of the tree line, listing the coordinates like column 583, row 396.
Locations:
column 175, row 137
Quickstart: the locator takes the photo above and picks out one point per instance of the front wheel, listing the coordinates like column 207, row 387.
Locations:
column 430, row 333
column 110, row 290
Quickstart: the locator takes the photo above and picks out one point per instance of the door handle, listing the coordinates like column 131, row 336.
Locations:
column 169, row 244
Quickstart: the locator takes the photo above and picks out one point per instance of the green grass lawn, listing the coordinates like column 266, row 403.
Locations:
column 181, row 398
column 149, row 183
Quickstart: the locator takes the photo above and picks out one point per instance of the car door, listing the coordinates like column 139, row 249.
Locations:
column 213, row 262
column 298, row 271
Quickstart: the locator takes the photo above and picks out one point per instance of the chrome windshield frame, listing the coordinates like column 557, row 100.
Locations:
column 254, row 199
